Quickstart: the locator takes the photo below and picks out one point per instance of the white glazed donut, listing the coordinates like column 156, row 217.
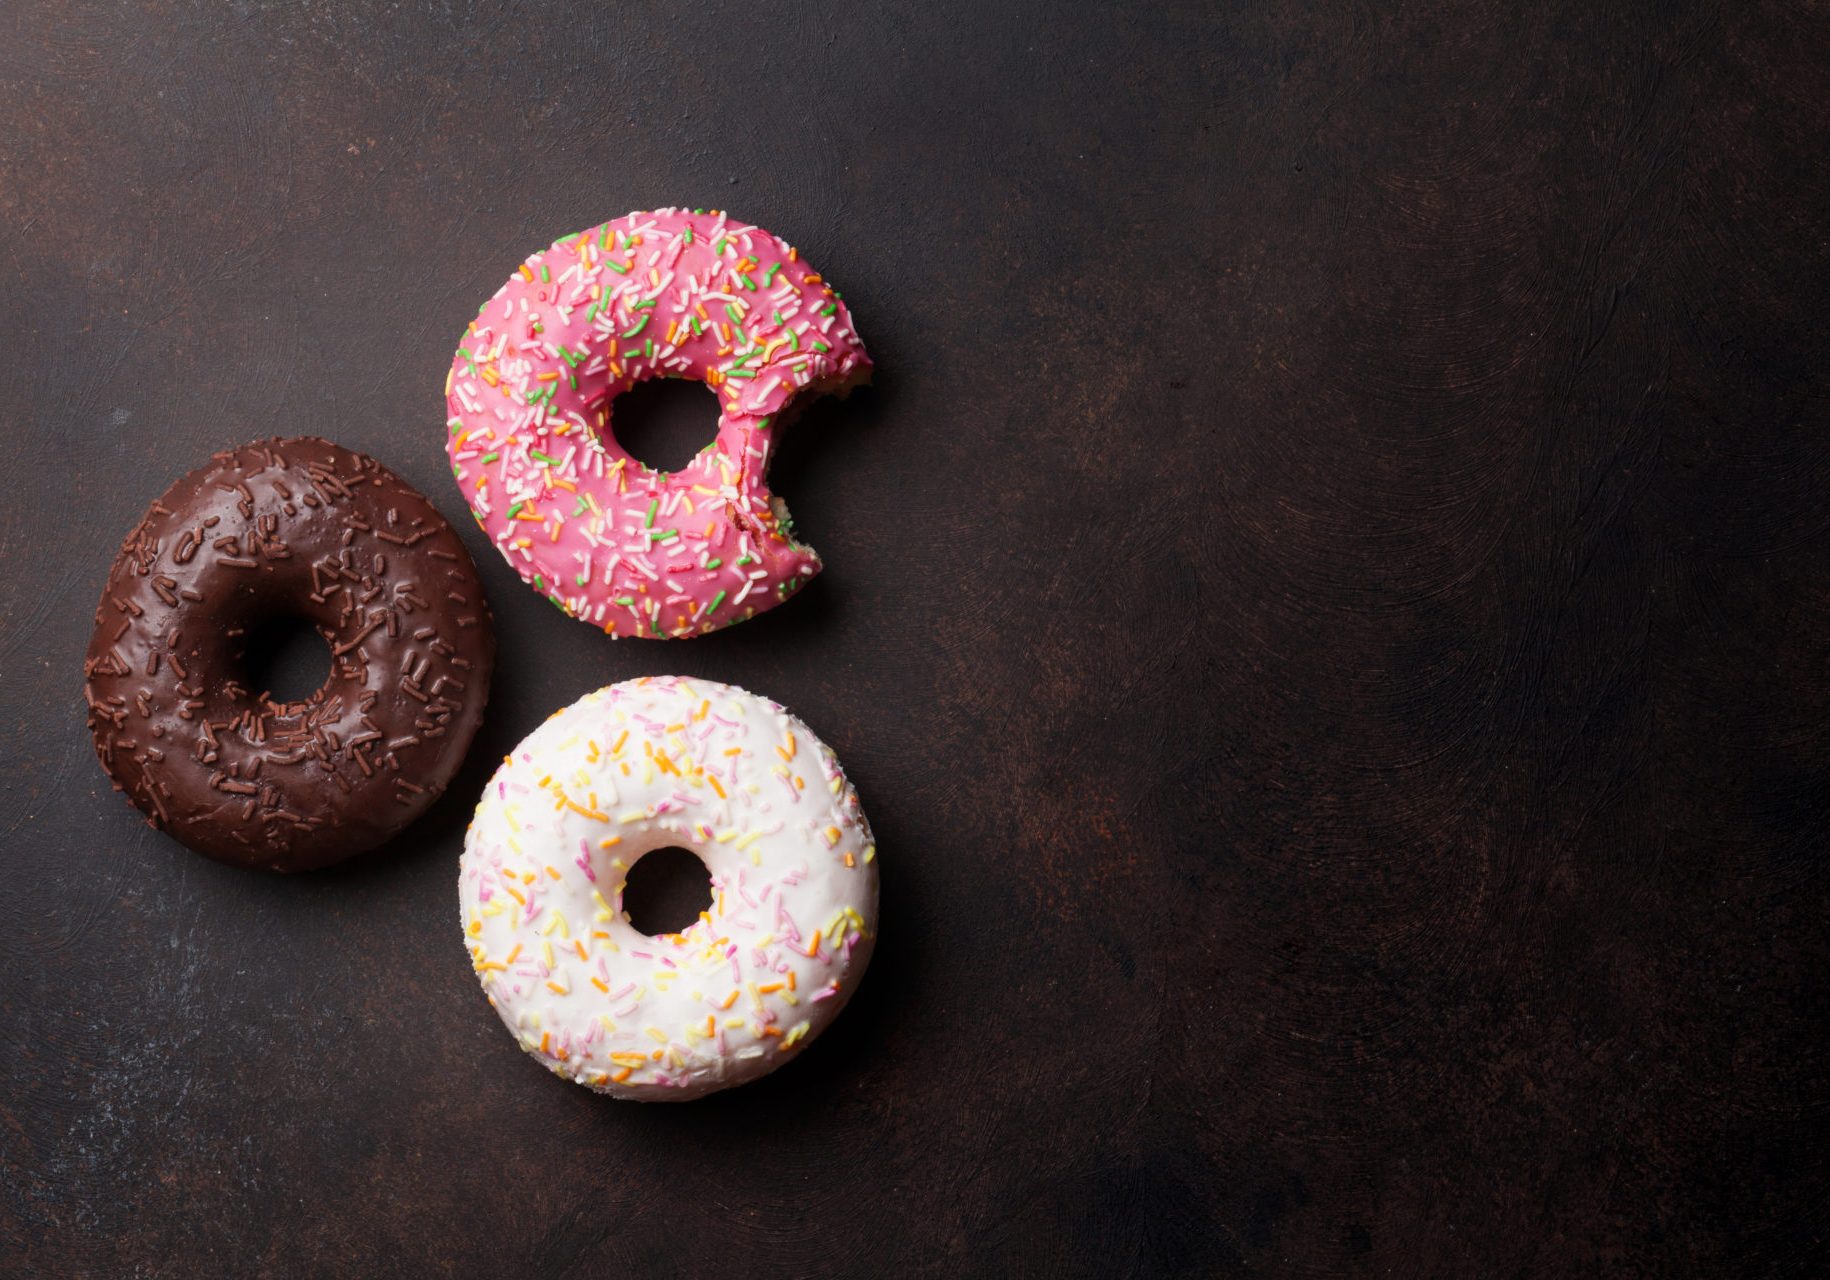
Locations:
column 639, row 766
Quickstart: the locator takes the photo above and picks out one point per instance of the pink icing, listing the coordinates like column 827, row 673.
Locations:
column 664, row 294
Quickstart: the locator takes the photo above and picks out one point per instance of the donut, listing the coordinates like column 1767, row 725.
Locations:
column 625, row 770
column 673, row 294
column 302, row 529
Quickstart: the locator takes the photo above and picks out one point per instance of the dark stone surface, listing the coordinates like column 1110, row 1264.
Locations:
column 1326, row 608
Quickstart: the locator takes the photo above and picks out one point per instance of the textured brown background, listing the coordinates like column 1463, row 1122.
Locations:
column 1326, row 605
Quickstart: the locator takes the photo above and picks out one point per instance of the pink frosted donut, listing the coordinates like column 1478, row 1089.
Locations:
column 664, row 294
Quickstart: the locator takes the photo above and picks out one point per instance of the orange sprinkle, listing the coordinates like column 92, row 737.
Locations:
column 622, row 1075
column 729, row 1001
column 579, row 944
column 772, row 1031
column 715, row 787
column 600, row 985
column 546, row 1041
column 813, row 945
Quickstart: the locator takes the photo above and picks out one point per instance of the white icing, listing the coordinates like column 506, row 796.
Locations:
column 643, row 765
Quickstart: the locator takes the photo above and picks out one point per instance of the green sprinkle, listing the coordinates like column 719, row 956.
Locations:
column 820, row 346
column 763, row 423
column 579, row 510
column 579, row 580
column 628, row 602
column 604, row 240
column 545, row 276
column 743, row 560
column 770, row 273
column 643, row 306
column 620, row 270
column 666, row 535
column 492, row 456
column 718, row 248
column 653, row 505
column 746, row 282
column 778, row 319
column 538, row 583
column 687, row 235
column 535, row 453
column 714, row 564
column 697, row 327
column 635, row 329
column 716, row 601
column 829, row 308
column 515, row 510
column 648, row 347
column 730, row 309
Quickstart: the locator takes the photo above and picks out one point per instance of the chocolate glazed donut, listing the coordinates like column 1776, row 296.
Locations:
column 307, row 530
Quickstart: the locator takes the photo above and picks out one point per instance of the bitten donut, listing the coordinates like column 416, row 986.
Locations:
column 288, row 528
column 643, row 765
column 676, row 294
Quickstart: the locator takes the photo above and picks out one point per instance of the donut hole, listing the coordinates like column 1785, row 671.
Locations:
column 663, row 423
column 284, row 658
column 666, row 890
